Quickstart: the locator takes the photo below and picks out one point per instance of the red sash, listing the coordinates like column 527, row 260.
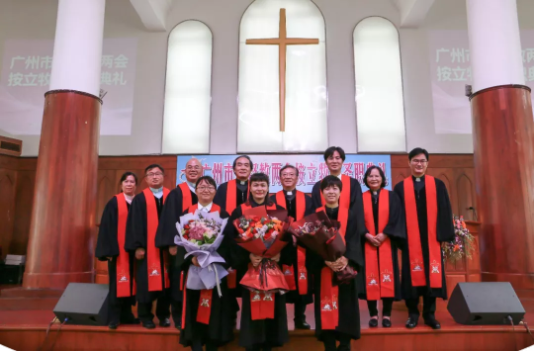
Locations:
column 204, row 304
column 344, row 202
column 379, row 275
column 123, row 260
column 330, row 293
column 289, row 271
column 154, row 264
column 414, row 239
column 231, row 194
column 187, row 200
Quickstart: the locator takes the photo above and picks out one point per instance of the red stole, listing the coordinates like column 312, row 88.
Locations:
column 205, row 301
column 329, row 292
column 154, row 264
column 123, row 260
column 231, row 194
column 261, row 302
column 344, row 202
column 289, row 271
column 379, row 275
column 414, row 239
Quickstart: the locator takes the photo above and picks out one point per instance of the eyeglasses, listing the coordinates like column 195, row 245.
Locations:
column 193, row 167
column 205, row 188
column 239, row 164
column 288, row 175
column 152, row 175
column 419, row 161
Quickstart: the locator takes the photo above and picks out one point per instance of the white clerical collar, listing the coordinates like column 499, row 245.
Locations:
column 157, row 192
column 290, row 192
column 207, row 208
column 418, row 179
column 191, row 185
column 375, row 192
column 242, row 182
column 128, row 198
column 339, row 175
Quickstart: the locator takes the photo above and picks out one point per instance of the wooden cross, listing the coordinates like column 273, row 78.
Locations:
column 282, row 41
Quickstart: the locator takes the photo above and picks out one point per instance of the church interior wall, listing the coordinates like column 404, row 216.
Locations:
column 30, row 19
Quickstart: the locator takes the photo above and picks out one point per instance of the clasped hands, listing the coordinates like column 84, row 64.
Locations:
column 338, row 265
column 376, row 240
column 256, row 260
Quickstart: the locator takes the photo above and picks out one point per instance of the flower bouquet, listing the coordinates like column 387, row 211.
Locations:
column 321, row 235
column 200, row 234
column 462, row 243
column 261, row 233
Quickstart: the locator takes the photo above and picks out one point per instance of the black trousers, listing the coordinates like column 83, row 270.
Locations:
column 330, row 337
column 258, row 348
column 163, row 303
column 120, row 310
column 387, row 306
column 300, row 311
column 429, row 307
column 198, row 347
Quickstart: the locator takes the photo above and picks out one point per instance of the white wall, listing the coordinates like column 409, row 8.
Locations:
column 35, row 19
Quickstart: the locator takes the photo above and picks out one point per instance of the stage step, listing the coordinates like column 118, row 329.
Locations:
column 25, row 303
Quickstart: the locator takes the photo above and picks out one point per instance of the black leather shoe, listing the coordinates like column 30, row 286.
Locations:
column 148, row 324
column 373, row 322
column 412, row 322
column 432, row 323
column 113, row 325
column 386, row 323
column 344, row 347
column 165, row 323
column 301, row 324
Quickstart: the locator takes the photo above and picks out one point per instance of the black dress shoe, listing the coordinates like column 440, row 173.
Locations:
column 301, row 324
column 412, row 322
column 165, row 323
column 386, row 323
column 178, row 326
column 432, row 323
column 148, row 324
column 344, row 347
column 113, row 325
column 373, row 322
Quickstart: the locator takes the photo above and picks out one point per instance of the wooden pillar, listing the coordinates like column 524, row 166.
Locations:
column 503, row 132
column 60, row 248
column 63, row 217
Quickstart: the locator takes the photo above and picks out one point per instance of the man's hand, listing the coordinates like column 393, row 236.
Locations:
column 173, row 250
column 140, row 253
column 109, row 258
column 276, row 258
column 195, row 261
column 373, row 240
column 256, row 260
column 382, row 237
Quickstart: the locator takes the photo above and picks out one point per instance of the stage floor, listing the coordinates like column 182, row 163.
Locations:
column 24, row 320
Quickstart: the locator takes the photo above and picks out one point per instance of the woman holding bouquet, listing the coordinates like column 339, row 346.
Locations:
column 337, row 315
column 110, row 248
column 257, row 334
column 207, row 317
column 384, row 221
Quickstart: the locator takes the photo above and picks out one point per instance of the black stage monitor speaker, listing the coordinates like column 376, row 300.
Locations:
column 84, row 304
column 485, row 304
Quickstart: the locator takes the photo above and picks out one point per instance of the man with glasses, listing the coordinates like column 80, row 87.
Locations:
column 298, row 205
column 152, row 279
column 180, row 199
column 428, row 224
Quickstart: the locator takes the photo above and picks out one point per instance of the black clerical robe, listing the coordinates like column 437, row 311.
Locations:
column 178, row 201
column 231, row 195
column 298, row 205
column 257, row 333
column 444, row 232
column 386, row 279
column 137, row 237
column 347, row 305
column 107, row 245
column 220, row 329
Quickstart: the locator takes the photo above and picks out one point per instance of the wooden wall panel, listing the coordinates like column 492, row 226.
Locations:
column 23, row 211
column 7, row 208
